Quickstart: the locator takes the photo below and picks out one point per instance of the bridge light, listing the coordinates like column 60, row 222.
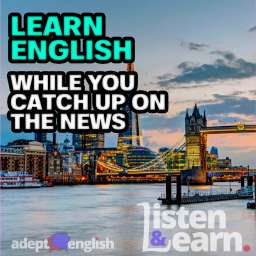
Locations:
column 240, row 127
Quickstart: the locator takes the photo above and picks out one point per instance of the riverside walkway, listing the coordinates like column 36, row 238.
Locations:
column 205, row 197
column 179, row 198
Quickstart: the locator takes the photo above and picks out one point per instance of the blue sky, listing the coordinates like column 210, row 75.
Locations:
column 200, row 51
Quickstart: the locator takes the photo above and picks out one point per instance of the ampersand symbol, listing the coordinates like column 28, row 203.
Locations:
column 157, row 239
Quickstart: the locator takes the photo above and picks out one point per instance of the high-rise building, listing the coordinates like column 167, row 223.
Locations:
column 41, row 137
column 193, row 124
column 175, row 159
column 67, row 152
column 88, row 141
column 132, row 135
column 54, row 164
column 211, row 161
column 214, row 150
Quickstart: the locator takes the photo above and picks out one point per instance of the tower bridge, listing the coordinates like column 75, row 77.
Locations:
column 196, row 132
column 195, row 145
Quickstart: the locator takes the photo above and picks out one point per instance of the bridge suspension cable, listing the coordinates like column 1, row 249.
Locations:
column 157, row 161
column 160, row 159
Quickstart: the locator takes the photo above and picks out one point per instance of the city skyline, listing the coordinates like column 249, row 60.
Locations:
column 187, row 60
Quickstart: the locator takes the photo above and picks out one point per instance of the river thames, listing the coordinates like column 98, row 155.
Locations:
column 102, row 211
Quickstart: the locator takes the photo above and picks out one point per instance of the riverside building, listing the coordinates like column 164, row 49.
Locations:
column 24, row 156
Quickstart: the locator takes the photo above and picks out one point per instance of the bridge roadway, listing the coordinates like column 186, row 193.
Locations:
column 135, row 173
column 239, row 128
column 252, row 172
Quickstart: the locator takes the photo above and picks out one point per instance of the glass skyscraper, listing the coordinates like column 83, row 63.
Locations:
column 41, row 137
column 88, row 141
column 132, row 135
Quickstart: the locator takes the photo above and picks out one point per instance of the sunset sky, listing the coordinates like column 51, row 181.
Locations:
column 199, row 51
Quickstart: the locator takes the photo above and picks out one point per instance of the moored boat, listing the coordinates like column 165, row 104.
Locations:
column 18, row 180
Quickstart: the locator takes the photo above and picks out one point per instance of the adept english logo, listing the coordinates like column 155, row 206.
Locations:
column 61, row 241
column 58, row 241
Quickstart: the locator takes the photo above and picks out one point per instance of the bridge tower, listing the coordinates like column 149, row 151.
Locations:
column 196, row 142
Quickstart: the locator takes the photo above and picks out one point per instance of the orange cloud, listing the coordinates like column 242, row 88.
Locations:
column 243, row 142
column 163, row 137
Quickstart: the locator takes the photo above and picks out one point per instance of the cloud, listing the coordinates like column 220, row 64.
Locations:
column 215, row 97
column 247, row 118
column 156, row 138
column 227, row 66
column 220, row 110
column 229, row 109
column 245, row 142
column 232, row 104
column 225, row 54
column 194, row 46
column 165, row 76
column 252, row 29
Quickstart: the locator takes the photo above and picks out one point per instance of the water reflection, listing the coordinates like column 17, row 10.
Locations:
column 103, row 210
